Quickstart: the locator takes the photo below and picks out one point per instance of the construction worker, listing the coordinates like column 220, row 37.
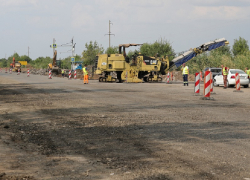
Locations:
column 85, row 73
column 63, row 73
column 224, row 73
column 247, row 72
column 185, row 73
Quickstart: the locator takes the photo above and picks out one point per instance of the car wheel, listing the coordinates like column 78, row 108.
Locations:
column 246, row 86
column 215, row 84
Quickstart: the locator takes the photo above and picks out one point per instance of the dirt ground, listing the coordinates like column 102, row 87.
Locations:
column 60, row 129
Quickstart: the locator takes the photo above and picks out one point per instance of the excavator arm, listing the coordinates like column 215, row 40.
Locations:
column 54, row 58
column 183, row 58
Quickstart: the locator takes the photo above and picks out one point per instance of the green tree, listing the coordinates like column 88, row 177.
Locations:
column 160, row 48
column 240, row 46
column 223, row 50
column 242, row 61
column 41, row 62
column 112, row 50
column 92, row 50
column 3, row 62
column 25, row 58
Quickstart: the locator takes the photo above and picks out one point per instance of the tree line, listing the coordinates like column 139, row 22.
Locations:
column 236, row 57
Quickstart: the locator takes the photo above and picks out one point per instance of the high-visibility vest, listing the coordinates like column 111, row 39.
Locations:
column 85, row 71
column 248, row 72
column 225, row 71
column 185, row 70
column 62, row 71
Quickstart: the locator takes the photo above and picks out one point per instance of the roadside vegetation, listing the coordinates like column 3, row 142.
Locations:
column 237, row 56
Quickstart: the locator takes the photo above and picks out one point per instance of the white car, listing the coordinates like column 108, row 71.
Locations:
column 244, row 79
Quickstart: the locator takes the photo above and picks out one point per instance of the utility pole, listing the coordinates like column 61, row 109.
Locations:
column 109, row 33
column 73, row 52
column 54, row 42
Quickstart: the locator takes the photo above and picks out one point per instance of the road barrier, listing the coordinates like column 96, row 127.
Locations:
column 10, row 71
column 50, row 74
column 200, row 75
column 197, row 83
column 28, row 73
column 237, row 83
column 207, row 84
column 69, row 74
column 75, row 74
column 211, row 84
column 6, row 70
column 168, row 78
column 18, row 73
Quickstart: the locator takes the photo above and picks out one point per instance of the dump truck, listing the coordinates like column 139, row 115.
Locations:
column 141, row 68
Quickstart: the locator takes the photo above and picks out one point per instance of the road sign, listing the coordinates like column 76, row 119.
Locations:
column 23, row 62
column 72, row 59
column 54, row 45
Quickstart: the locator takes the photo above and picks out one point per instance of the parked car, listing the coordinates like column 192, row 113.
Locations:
column 215, row 71
column 244, row 78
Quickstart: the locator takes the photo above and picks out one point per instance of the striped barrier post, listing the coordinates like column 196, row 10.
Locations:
column 10, row 71
column 197, row 84
column 207, row 85
column 200, row 75
column 69, row 74
column 237, row 83
column 18, row 73
column 28, row 73
column 211, row 84
column 168, row 78
column 50, row 74
column 6, row 70
column 75, row 74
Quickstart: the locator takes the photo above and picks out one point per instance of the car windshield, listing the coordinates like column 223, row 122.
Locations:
column 237, row 71
column 216, row 70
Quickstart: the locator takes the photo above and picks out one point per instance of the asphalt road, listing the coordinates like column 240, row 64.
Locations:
column 62, row 129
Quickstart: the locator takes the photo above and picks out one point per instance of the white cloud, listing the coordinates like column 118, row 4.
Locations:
column 133, row 20
column 220, row 13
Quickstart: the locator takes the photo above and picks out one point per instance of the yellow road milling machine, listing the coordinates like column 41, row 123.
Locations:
column 140, row 68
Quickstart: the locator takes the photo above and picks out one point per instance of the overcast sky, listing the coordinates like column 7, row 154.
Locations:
column 184, row 23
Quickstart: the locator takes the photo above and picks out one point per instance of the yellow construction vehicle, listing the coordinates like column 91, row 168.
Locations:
column 140, row 68
column 15, row 65
column 53, row 66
